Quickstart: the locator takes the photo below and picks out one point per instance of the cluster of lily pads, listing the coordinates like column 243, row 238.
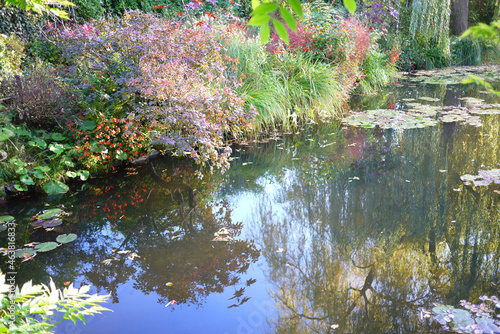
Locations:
column 474, row 318
column 484, row 178
column 47, row 219
column 454, row 75
column 417, row 115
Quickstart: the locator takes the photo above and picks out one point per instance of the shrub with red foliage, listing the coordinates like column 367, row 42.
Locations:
column 301, row 41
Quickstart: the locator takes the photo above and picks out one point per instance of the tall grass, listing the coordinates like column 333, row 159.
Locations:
column 285, row 88
column 378, row 71
column 470, row 51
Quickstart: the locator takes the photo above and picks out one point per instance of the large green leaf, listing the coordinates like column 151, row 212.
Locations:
column 288, row 17
column 27, row 180
column 258, row 20
column 265, row 32
column 55, row 187
column 296, row 7
column 38, row 142
column 88, row 125
column 56, row 148
column 58, row 136
column 265, row 8
column 84, row 174
column 51, row 213
column 20, row 253
column 281, row 30
column 46, row 246
column 5, row 134
column 65, row 238
column 6, row 219
column 350, row 5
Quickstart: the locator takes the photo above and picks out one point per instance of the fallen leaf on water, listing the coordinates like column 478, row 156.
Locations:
column 169, row 284
column 67, row 283
column 355, row 178
column 280, row 250
column 132, row 256
column 123, row 251
column 443, row 170
column 408, row 181
column 458, row 189
column 108, row 261
column 496, row 191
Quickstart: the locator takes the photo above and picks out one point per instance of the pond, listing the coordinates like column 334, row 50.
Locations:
column 335, row 229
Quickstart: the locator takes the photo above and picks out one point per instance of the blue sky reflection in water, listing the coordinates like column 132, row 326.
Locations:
column 355, row 228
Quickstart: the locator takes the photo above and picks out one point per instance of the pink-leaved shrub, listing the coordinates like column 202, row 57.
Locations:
column 145, row 68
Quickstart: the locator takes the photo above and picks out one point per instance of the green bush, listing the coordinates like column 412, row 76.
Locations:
column 11, row 56
column 33, row 308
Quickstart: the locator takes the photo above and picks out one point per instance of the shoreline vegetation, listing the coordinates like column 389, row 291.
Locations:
column 187, row 80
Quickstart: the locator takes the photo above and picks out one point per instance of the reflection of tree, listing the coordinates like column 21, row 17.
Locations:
column 158, row 215
column 366, row 249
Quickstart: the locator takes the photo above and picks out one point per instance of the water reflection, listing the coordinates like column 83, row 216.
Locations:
column 150, row 229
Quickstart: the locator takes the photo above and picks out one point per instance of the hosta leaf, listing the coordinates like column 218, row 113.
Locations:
column 55, row 187
column 51, row 213
column 46, row 246
column 65, row 238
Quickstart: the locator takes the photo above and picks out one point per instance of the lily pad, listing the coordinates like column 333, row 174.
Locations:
column 20, row 253
column 65, row 238
column 46, row 246
column 51, row 213
column 55, row 187
column 52, row 223
column 430, row 99
column 6, row 219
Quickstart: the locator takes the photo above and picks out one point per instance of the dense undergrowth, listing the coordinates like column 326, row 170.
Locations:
column 188, row 80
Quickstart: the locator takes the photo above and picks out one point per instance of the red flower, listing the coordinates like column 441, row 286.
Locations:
column 159, row 7
column 201, row 23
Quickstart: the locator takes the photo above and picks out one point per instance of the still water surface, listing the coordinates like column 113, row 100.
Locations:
column 334, row 226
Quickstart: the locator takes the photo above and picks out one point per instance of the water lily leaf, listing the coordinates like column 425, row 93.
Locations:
column 468, row 177
column 442, row 309
column 51, row 213
column 430, row 99
column 52, row 223
column 55, row 187
column 20, row 253
column 65, row 238
column 5, row 134
column 488, row 327
column 481, row 183
column 46, row 246
column 6, row 219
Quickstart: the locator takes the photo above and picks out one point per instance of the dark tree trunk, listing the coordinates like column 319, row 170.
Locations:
column 459, row 16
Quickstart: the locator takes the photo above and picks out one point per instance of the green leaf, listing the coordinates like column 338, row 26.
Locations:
column 5, row 134
column 21, row 132
column 265, row 8
column 19, row 253
column 81, row 317
column 255, row 4
column 6, row 219
column 350, row 5
column 27, row 180
column 259, row 20
column 281, row 30
column 70, row 174
column 52, row 223
column 120, row 155
column 264, row 33
column 38, row 174
column 65, row 238
column 84, row 174
column 296, row 7
column 51, row 213
column 46, row 246
column 88, row 125
column 289, row 19
column 97, row 148
column 58, row 136
column 56, row 148
column 20, row 187
column 43, row 169
column 55, row 187
column 38, row 142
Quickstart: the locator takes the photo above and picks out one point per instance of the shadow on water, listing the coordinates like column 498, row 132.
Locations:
column 354, row 230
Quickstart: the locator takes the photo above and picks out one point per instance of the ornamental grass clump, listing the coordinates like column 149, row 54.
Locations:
column 146, row 68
